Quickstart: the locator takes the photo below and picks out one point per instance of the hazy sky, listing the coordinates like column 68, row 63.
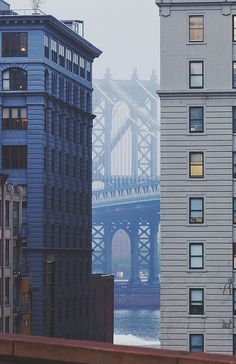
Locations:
column 127, row 31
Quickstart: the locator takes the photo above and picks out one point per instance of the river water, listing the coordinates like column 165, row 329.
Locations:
column 137, row 327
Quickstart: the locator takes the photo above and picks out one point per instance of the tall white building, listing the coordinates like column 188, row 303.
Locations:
column 198, row 175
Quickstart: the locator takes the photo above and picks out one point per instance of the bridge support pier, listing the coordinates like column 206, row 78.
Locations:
column 153, row 274
column 134, row 271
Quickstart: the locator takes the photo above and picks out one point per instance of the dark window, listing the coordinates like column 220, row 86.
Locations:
column 14, row 156
column 234, row 119
column 59, row 126
column 196, row 301
column 52, row 198
column 196, row 74
column 46, row 80
column 76, row 63
column 196, row 343
column 82, row 67
column 59, row 163
column 75, row 131
column 54, row 84
column 52, row 234
column 196, row 256
column 234, row 28
column 74, row 201
column 67, row 165
column 234, row 344
column 88, row 102
column 45, row 158
column 196, row 212
column 61, row 88
column 234, row 301
column 196, row 165
column 234, row 74
column 196, row 119
column 67, row 129
column 74, row 166
column 61, row 55
column 14, row 44
column 88, row 70
column 68, row 60
column 46, row 46
column 75, row 94
column 67, row 204
column 14, row 79
column 59, row 199
column 52, row 160
column 45, row 197
column 234, row 164
column 7, row 324
column 7, row 213
column 7, row 253
column 14, row 118
column 234, row 210
column 7, row 291
column 54, row 50
column 53, row 121
column 68, row 91
column 82, row 99
column 196, row 28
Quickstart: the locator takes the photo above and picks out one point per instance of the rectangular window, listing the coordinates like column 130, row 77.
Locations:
column 67, row 203
column 234, row 164
column 54, row 50
column 59, row 199
column 196, row 119
column 68, row 60
column 234, row 74
column 196, row 256
column 234, row 118
column 7, row 213
column 196, row 212
column 14, row 118
column 234, row 255
column 53, row 121
column 75, row 94
column 234, row 28
column 7, row 253
column 59, row 163
column 52, row 198
column 196, row 28
column 67, row 165
column 46, row 46
column 82, row 67
column 68, row 91
column 196, row 301
column 14, row 44
column 76, row 63
column 88, row 70
column 234, row 210
column 61, row 88
column 67, row 129
column 52, row 160
column 196, row 74
column 14, row 156
column 234, row 301
column 234, row 344
column 61, row 55
column 196, row 343
column 196, row 165
column 54, row 84
column 7, row 291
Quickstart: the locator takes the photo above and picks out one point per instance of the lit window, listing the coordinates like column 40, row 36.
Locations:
column 196, row 212
column 14, row 44
column 54, row 50
column 196, row 165
column 14, row 118
column 196, row 28
column 196, row 256
column 196, row 119
column 234, row 164
column 14, row 79
column 196, row 301
column 196, row 74
column 196, row 343
column 82, row 67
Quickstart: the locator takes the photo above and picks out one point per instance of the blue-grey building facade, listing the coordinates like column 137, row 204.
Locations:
column 45, row 145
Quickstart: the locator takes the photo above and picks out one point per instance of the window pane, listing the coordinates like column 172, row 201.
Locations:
column 196, row 249
column 196, row 204
column 196, row 24
column 196, row 295
column 196, row 81
column 196, row 68
column 196, row 113
column 196, row 262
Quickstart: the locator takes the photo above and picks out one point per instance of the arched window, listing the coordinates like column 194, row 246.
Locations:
column 14, row 79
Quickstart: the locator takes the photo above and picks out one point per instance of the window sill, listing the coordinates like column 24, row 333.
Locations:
column 196, row 225
column 198, row 134
column 196, row 271
column 196, row 43
column 197, row 316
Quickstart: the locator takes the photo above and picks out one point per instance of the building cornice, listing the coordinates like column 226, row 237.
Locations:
column 197, row 94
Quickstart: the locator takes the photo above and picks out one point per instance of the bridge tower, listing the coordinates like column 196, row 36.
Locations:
column 125, row 173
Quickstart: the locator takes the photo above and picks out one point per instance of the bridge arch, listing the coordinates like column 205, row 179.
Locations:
column 121, row 255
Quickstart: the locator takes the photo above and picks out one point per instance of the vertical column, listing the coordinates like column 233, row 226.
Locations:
column 107, row 246
column 107, row 146
column 154, row 263
column 134, row 130
column 134, row 276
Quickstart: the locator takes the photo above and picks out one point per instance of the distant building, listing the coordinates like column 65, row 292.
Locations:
column 198, row 159
column 45, row 144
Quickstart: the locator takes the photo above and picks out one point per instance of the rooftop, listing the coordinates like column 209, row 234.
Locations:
column 31, row 349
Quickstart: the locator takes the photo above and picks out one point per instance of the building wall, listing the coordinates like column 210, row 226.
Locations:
column 217, row 186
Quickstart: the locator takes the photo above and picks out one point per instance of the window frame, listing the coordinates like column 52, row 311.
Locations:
column 198, row 74
column 234, row 256
column 16, row 153
column 234, row 211
column 192, row 119
column 23, row 121
column 46, row 46
column 203, row 217
column 191, row 346
column 203, row 28
column 191, row 255
column 10, row 49
column 234, row 165
column 234, row 301
column 194, row 305
column 54, row 50
column 191, row 164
